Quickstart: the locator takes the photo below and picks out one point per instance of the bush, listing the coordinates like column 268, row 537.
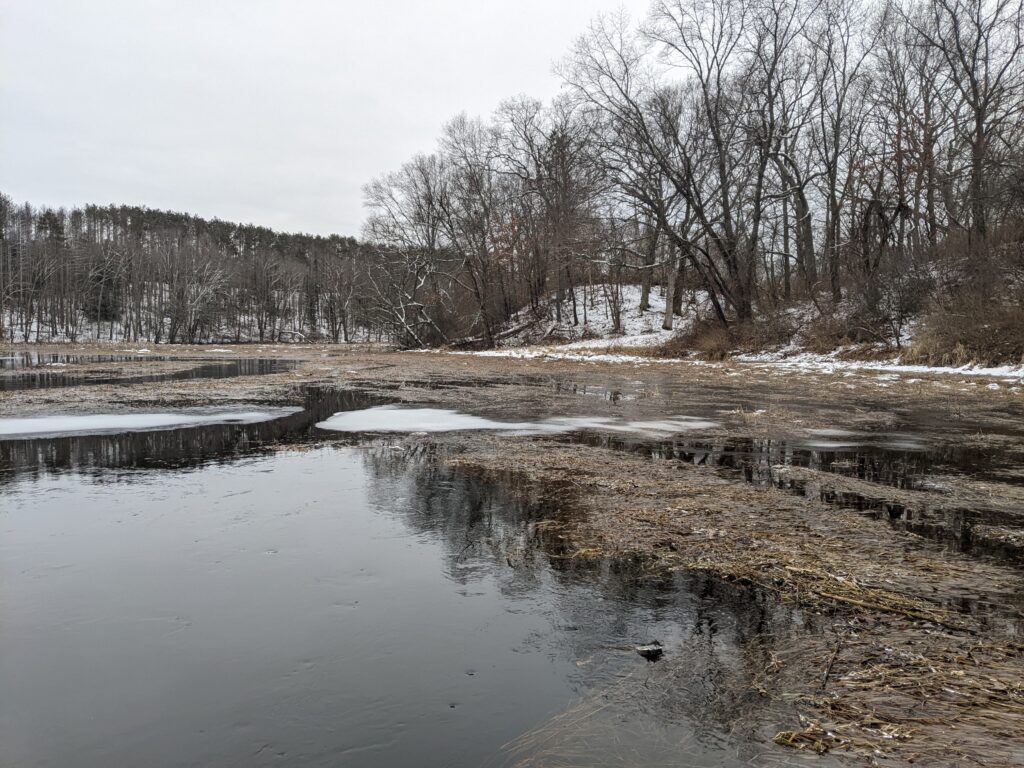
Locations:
column 826, row 334
column 973, row 329
column 710, row 340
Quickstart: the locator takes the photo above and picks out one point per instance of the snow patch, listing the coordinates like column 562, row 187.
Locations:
column 390, row 418
column 395, row 418
column 595, row 326
column 830, row 363
column 105, row 423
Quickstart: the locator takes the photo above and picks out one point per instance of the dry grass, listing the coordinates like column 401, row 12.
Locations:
column 904, row 666
column 971, row 330
column 710, row 340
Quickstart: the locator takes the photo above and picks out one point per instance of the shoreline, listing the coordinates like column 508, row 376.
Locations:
column 901, row 618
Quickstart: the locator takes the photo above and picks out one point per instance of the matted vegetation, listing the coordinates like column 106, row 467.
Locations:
column 907, row 658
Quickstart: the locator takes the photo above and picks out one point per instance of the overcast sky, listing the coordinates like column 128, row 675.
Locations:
column 267, row 111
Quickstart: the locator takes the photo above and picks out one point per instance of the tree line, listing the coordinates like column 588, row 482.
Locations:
column 865, row 159
column 136, row 274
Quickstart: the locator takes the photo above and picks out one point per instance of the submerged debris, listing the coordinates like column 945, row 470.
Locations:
column 652, row 651
column 812, row 738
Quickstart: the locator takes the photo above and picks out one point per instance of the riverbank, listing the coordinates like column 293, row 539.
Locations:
column 881, row 505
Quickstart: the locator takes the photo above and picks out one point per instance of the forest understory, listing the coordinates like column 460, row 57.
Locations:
column 905, row 563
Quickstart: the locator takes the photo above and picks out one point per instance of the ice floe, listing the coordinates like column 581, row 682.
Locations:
column 130, row 422
column 396, row 418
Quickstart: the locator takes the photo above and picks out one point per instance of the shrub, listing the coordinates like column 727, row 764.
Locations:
column 825, row 334
column 710, row 340
column 972, row 329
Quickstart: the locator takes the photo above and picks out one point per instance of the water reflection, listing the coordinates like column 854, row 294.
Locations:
column 757, row 458
column 42, row 373
column 351, row 606
column 719, row 637
column 32, row 358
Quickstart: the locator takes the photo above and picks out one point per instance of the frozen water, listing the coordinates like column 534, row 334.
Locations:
column 394, row 418
column 672, row 424
column 130, row 422
column 390, row 418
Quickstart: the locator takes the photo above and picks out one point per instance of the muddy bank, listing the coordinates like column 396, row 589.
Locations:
column 916, row 653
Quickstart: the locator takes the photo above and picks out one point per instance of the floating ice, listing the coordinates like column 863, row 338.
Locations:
column 835, row 445
column 833, row 439
column 394, row 418
column 391, row 418
column 829, row 432
column 670, row 425
column 130, row 422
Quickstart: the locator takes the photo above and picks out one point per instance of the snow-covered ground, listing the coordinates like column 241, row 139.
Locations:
column 831, row 363
column 596, row 329
column 883, row 374
column 640, row 331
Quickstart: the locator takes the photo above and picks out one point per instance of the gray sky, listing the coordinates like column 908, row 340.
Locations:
column 266, row 111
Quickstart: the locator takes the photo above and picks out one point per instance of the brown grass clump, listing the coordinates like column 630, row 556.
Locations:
column 707, row 340
column 971, row 330
column 825, row 335
column 710, row 340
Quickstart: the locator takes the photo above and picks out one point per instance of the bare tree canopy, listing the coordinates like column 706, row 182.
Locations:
column 865, row 159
